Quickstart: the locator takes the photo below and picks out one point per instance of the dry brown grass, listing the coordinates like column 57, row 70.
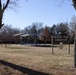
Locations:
column 38, row 59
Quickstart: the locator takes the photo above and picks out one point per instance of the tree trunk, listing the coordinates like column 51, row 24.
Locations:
column 1, row 22
column 1, row 17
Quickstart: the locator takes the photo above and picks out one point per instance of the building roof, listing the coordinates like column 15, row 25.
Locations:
column 19, row 34
column 25, row 35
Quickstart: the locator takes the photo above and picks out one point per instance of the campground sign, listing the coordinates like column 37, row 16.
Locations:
column 60, row 39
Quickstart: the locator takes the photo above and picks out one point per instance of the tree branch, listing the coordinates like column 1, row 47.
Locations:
column 6, row 5
column 74, row 3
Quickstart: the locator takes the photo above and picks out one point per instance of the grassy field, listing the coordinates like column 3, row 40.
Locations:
column 29, row 60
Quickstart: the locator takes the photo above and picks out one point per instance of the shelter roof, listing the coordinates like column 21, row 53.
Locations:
column 19, row 34
column 25, row 35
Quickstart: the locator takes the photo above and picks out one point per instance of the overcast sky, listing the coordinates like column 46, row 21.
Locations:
column 48, row 12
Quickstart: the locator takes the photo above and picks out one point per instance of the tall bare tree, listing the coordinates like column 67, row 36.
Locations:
column 4, row 4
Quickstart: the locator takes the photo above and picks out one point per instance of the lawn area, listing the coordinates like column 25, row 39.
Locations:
column 30, row 60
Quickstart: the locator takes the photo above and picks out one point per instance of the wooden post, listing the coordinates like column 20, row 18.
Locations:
column 20, row 39
column 52, row 47
column 69, row 46
column 35, row 40
column 44, row 40
column 16, row 40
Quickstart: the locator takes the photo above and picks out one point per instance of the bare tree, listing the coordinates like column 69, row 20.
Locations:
column 62, row 28
column 4, row 4
column 7, row 31
column 35, row 28
column 73, row 23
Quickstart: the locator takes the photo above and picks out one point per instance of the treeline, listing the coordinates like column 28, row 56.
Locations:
column 63, row 28
column 7, row 32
